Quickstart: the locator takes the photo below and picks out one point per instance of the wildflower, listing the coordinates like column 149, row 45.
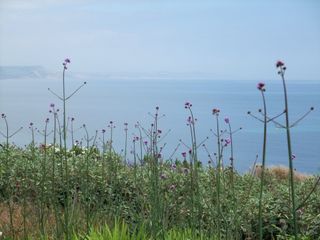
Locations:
column 67, row 60
column 31, row 124
column 227, row 142
column 226, row 120
column 260, row 86
column 187, row 105
column 145, row 142
column 103, row 130
column 173, row 167
column 72, row 119
column 279, row 64
column 215, row 111
column 159, row 131
column 52, row 105
column 190, row 151
column 172, row 187
column 3, row 115
column 293, row 156
column 184, row 154
column 47, row 120
column 157, row 108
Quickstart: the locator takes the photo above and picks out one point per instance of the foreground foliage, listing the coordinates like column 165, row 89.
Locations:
column 103, row 188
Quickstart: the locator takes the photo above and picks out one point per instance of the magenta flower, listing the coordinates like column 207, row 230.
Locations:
column 184, row 154
column 261, row 86
column 279, row 64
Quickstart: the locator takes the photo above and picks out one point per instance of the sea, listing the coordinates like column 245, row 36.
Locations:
column 27, row 100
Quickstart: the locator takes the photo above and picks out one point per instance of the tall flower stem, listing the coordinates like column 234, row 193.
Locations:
column 64, row 99
column 262, row 89
column 281, row 72
column 218, row 175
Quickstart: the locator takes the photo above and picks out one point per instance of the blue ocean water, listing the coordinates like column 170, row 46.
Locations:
column 101, row 101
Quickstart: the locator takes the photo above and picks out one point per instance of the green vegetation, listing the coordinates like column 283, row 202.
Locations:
column 36, row 198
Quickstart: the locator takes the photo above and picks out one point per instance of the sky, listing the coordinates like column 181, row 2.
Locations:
column 227, row 39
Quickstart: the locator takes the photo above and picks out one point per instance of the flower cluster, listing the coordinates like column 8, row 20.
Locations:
column 261, row 86
column 215, row 111
column 187, row 105
column 281, row 66
column 65, row 63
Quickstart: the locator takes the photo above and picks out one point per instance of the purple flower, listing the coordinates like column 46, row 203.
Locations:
column 184, row 154
column 145, row 143
column 3, row 115
column 215, row 111
column 159, row 131
column 227, row 142
column 173, row 167
column 187, row 105
column 226, row 120
column 72, row 119
column 67, row 60
column 31, row 124
column 47, row 120
column 52, row 105
column 103, row 130
column 261, row 86
column 293, row 156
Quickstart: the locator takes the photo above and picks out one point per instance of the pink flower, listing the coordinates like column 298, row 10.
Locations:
column 260, row 86
column 279, row 64
column 227, row 142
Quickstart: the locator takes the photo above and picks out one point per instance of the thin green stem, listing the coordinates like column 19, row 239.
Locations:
column 263, row 164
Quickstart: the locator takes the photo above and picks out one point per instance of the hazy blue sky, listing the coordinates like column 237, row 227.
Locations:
column 223, row 39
